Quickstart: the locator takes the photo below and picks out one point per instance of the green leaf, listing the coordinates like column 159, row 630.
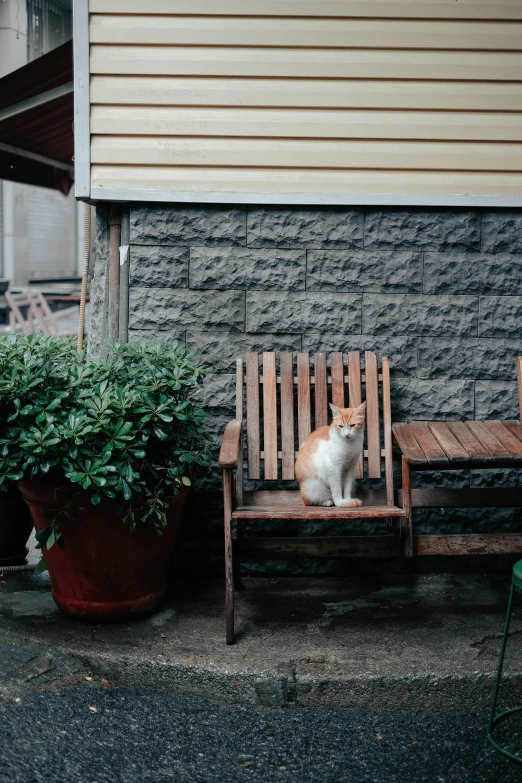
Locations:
column 186, row 481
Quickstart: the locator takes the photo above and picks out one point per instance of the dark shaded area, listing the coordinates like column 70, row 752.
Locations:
column 97, row 735
column 45, row 130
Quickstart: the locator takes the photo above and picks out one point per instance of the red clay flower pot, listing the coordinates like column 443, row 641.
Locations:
column 15, row 527
column 103, row 572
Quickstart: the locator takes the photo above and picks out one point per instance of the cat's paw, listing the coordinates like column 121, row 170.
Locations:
column 328, row 503
column 349, row 503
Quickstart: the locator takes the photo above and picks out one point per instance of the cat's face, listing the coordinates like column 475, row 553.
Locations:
column 347, row 422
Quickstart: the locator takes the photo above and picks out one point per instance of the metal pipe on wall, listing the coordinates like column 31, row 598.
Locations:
column 85, row 276
column 113, row 330
column 124, row 274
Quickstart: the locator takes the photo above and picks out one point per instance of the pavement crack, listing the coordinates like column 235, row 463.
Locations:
column 481, row 642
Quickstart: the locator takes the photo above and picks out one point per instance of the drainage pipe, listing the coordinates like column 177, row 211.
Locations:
column 85, row 276
column 114, row 271
column 124, row 274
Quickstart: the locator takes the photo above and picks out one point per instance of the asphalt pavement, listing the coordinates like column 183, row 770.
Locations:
column 95, row 733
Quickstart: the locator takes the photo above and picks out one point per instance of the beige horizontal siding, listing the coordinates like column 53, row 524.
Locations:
column 306, row 63
column 311, row 181
column 316, row 124
column 302, row 93
column 297, row 153
column 307, row 96
column 421, row 9
column 317, row 33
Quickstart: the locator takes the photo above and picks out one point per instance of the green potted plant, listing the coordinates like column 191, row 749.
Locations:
column 103, row 451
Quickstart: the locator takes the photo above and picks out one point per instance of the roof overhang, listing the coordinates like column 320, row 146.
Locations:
column 36, row 122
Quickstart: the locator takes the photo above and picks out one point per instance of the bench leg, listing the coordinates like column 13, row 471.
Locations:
column 229, row 575
column 236, row 564
column 406, row 502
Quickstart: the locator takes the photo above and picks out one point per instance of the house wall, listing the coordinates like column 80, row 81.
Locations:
column 438, row 291
column 331, row 97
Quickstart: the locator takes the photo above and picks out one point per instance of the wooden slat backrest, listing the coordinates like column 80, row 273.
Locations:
column 354, row 395
column 286, row 362
column 290, row 398
column 337, row 370
column 372, row 415
column 252, row 396
column 304, row 425
column 270, row 415
column 320, row 390
column 519, row 383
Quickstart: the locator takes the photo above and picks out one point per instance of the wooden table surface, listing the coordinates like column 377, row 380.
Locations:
column 449, row 445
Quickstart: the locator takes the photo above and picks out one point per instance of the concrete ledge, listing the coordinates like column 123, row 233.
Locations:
column 390, row 642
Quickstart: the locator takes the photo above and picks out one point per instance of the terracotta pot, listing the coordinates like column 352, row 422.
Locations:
column 103, row 572
column 15, row 527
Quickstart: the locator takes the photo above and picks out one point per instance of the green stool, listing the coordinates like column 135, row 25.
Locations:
column 494, row 720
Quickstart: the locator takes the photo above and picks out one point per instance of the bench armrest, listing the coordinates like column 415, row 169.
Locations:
column 231, row 445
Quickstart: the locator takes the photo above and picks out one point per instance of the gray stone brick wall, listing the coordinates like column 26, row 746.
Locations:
column 437, row 290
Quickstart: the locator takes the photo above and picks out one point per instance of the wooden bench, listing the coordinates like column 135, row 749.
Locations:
column 460, row 445
column 287, row 396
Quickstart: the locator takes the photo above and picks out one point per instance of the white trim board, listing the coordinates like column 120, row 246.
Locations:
column 312, row 199
column 37, row 100
column 82, row 139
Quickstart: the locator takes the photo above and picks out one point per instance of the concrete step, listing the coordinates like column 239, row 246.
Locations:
column 383, row 642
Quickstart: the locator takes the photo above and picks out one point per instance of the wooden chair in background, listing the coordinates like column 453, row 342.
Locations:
column 39, row 317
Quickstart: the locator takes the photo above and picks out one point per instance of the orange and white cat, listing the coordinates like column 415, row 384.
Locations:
column 326, row 462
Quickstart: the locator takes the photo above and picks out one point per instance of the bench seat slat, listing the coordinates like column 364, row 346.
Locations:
column 507, row 438
column 433, row 451
column 468, row 440
column 448, row 441
column 483, row 433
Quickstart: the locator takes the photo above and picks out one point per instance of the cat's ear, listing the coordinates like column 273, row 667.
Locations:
column 359, row 413
column 335, row 411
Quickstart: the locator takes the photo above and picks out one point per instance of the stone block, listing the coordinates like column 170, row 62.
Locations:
column 167, row 335
column 414, row 314
column 163, row 308
column 234, row 267
column 502, row 231
column 297, row 227
column 501, row 316
column 221, row 349
column 496, row 399
column 427, row 229
column 158, row 267
column 401, row 351
column 430, row 479
column 468, row 358
column 472, row 273
column 217, row 394
column 431, row 399
column 507, row 477
column 169, row 224
column 345, row 270
column 301, row 312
